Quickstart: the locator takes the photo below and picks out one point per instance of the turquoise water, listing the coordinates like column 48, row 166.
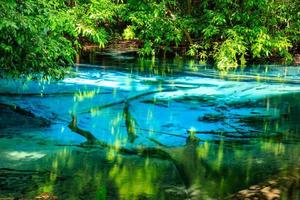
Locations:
column 145, row 129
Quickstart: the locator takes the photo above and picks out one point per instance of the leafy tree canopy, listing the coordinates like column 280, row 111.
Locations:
column 41, row 37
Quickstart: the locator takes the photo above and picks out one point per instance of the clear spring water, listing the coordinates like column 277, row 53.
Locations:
column 139, row 129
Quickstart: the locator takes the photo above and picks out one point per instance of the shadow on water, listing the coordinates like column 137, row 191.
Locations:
column 151, row 129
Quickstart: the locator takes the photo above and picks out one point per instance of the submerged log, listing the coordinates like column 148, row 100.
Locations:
column 16, row 113
column 17, row 109
column 128, row 99
column 212, row 118
column 91, row 139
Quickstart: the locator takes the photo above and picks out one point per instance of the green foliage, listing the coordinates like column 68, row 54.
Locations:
column 42, row 37
column 152, row 24
column 228, row 53
column 93, row 20
column 235, row 31
column 30, row 41
column 128, row 33
column 227, row 32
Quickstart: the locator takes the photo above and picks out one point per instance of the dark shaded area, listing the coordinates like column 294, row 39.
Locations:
column 10, row 115
column 15, row 183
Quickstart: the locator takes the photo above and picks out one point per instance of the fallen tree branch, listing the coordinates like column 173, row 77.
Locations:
column 91, row 139
column 24, row 112
column 97, row 108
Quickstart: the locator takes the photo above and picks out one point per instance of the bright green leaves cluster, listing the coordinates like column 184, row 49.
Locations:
column 231, row 51
column 95, row 20
column 235, row 31
column 32, row 40
column 229, row 33
column 40, row 38
column 154, row 24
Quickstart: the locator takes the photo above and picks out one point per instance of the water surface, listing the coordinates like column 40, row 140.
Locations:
column 123, row 128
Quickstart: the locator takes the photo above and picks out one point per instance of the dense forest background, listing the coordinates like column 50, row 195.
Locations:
column 41, row 36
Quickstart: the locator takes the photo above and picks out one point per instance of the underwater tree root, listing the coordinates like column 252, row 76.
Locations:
column 93, row 142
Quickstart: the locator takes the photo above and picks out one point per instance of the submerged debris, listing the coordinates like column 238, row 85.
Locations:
column 46, row 196
column 283, row 187
column 212, row 118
